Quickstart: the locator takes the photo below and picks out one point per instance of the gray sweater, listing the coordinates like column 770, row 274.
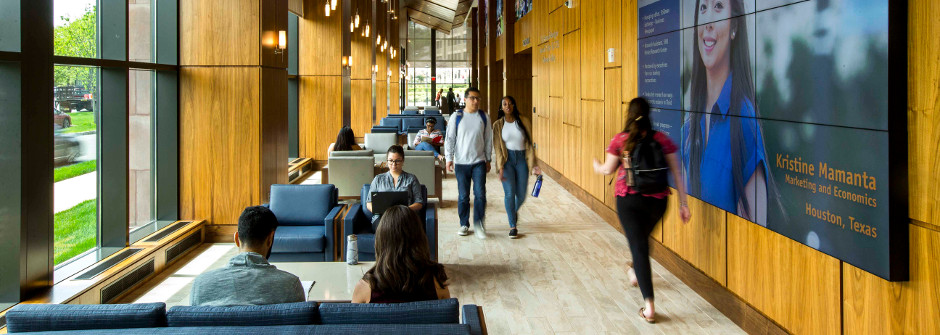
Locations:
column 247, row 280
column 470, row 144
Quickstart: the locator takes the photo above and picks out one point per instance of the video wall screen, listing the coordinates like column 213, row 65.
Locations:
column 781, row 110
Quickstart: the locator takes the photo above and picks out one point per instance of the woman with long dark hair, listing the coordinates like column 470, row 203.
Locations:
column 345, row 141
column 639, row 212
column 403, row 270
column 723, row 158
column 513, row 153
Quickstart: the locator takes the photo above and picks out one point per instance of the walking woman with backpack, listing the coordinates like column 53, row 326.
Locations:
column 644, row 157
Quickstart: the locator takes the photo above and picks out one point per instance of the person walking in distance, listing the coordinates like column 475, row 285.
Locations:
column 645, row 157
column 514, row 154
column 468, row 149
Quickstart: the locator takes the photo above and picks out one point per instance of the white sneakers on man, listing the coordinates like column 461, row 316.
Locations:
column 479, row 229
column 463, row 231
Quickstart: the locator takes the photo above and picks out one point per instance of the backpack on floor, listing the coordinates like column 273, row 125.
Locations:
column 648, row 166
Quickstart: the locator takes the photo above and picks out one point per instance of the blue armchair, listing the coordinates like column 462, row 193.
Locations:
column 358, row 221
column 305, row 216
column 412, row 124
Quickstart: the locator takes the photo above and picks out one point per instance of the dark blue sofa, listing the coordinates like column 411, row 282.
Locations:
column 358, row 220
column 423, row 317
column 305, row 216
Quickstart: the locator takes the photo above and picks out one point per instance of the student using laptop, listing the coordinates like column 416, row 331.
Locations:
column 396, row 179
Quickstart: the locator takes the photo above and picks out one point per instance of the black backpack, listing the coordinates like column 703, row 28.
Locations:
column 649, row 167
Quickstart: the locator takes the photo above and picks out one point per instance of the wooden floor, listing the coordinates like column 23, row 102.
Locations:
column 566, row 274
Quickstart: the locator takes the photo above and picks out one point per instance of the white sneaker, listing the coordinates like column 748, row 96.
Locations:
column 479, row 229
column 463, row 231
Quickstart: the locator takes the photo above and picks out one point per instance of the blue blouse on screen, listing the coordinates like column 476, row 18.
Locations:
column 715, row 178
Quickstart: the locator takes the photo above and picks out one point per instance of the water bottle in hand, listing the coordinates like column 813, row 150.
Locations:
column 352, row 250
column 537, row 187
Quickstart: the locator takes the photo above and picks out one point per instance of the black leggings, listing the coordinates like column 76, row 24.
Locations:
column 638, row 215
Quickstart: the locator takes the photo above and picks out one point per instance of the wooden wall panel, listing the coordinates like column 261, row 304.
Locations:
column 381, row 100
column 523, row 37
column 214, row 32
column 501, row 47
column 361, row 106
column 875, row 306
column 672, row 211
column 612, row 31
column 556, row 66
column 362, row 54
column 629, row 48
column 320, row 49
column 297, row 7
column 701, row 241
column 592, row 147
column 572, row 78
column 592, row 50
column 394, row 94
column 320, row 114
column 214, row 101
column 556, row 133
column 273, row 129
column 612, row 122
column 573, row 15
column 789, row 282
column 923, row 116
column 573, row 156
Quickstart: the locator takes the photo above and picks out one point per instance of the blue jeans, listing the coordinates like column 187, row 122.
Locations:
column 516, row 173
column 464, row 174
column 425, row 146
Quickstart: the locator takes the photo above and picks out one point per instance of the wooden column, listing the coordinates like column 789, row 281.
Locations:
column 320, row 114
column 233, row 108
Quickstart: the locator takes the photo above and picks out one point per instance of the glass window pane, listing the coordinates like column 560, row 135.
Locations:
column 140, row 149
column 76, row 183
column 10, row 26
column 76, row 28
column 140, row 30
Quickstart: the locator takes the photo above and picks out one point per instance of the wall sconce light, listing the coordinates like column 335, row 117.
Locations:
column 281, row 43
column 352, row 27
column 350, row 61
column 375, row 68
column 345, row 62
column 356, row 21
column 326, row 9
column 378, row 39
column 333, row 5
column 367, row 30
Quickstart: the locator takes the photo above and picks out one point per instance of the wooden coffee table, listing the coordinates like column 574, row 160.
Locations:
column 334, row 280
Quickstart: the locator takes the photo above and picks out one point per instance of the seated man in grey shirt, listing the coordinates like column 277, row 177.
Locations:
column 249, row 279
column 396, row 179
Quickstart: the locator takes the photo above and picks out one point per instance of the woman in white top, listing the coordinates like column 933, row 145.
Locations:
column 513, row 154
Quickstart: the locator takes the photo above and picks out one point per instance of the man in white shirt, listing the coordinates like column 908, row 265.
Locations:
column 468, row 149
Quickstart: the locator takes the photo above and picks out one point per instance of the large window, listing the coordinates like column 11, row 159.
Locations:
column 453, row 61
column 75, row 173
column 451, row 64
column 418, row 82
column 108, row 141
column 77, row 109
column 101, row 171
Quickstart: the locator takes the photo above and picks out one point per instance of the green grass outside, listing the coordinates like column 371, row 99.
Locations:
column 75, row 170
column 75, row 230
column 81, row 122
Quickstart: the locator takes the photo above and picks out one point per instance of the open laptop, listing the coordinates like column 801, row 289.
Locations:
column 383, row 200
